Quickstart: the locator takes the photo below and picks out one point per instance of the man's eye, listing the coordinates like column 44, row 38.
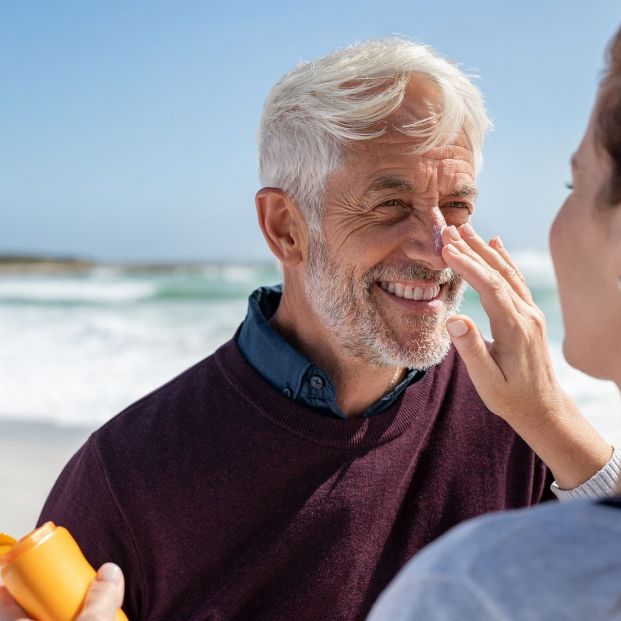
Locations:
column 458, row 205
column 393, row 210
column 569, row 186
column 395, row 202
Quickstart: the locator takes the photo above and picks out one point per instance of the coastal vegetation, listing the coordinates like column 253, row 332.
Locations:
column 23, row 263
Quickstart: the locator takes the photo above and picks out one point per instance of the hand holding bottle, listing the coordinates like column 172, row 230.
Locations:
column 105, row 597
column 46, row 575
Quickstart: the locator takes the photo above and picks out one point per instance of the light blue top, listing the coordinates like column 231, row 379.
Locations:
column 555, row 562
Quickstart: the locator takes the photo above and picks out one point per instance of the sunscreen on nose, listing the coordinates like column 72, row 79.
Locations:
column 437, row 238
column 47, row 573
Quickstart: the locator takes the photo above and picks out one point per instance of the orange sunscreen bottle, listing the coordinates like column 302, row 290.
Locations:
column 47, row 573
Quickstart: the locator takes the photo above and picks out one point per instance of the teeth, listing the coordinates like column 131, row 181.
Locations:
column 429, row 293
column 410, row 293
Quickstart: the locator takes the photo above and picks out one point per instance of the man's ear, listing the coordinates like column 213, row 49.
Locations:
column 282, row 225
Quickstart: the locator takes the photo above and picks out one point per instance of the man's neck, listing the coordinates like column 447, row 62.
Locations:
column 358, row 383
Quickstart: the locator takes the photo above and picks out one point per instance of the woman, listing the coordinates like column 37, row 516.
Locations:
column 555, row 561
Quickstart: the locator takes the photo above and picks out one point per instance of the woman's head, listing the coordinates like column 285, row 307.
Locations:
column 585, row 239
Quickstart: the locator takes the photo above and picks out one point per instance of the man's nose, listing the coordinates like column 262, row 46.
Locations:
column 424, row 241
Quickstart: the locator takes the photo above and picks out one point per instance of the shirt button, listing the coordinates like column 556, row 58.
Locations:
column 316, row 382
column 287, row 392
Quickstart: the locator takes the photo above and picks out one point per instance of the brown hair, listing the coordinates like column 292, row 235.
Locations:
column 608, row 120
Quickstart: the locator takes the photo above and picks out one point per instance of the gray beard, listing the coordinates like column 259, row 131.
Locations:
column 348, row 309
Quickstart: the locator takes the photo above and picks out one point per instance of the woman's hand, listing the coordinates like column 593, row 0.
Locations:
column 104, row 598
column 514, row 375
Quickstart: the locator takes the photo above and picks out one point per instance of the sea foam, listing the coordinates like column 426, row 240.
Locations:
column 75, row 350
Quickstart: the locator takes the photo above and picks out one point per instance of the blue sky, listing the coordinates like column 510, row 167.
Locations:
column 128, row 130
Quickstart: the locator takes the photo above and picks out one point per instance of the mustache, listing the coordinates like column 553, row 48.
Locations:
column 411, row 271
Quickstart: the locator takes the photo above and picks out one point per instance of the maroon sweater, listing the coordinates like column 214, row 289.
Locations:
column 222, row 499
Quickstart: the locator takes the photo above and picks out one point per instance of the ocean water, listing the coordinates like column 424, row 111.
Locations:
column 77, row 349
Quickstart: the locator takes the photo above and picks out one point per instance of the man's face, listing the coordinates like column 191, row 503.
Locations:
column 378, row 280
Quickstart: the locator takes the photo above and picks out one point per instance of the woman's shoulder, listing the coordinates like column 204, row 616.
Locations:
column 549, row 526
column 553, row 561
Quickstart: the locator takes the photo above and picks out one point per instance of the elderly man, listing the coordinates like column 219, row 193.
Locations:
column 291, row 474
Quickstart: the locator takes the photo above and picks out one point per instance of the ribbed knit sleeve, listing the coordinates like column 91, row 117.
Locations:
column 602, row 484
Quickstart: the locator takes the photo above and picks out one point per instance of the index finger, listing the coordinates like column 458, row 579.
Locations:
column 498, row 260
column 496, row 297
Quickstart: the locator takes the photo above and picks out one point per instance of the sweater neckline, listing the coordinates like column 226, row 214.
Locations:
column 360, row 433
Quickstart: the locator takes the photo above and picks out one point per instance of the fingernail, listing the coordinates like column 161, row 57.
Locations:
column 453, row 233
column 457, row 328
column 499, row 242
column 109, row 573
column 466, row 229
column 452, row 249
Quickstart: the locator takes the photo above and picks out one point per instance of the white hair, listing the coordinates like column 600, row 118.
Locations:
column 316, row 109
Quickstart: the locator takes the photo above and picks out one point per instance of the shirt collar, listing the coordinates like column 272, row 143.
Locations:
column 290, row 372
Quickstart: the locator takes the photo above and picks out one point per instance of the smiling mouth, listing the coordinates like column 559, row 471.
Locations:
column 408, row 292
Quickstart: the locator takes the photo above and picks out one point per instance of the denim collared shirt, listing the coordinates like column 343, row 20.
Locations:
column 285, row 368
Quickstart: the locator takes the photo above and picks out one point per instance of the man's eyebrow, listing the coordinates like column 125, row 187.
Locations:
column 387, row 182
column 464, row 191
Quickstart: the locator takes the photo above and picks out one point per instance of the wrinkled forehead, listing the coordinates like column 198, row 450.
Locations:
column 392, row 165
column 396, row 149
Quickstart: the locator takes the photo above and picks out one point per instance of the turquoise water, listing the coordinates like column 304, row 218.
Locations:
column 77, row 349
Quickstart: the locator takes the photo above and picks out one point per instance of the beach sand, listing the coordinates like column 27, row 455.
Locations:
column 31, row 458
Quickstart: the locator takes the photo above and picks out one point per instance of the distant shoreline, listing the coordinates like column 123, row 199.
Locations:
column 47, row 265
column 25, row 264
